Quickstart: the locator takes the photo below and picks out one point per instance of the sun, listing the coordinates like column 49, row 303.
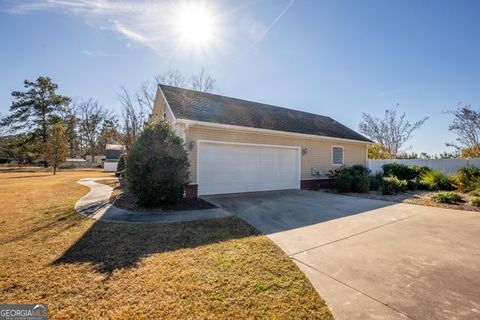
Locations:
column 196, row 25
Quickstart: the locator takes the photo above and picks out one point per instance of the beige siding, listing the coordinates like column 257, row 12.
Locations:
column 319, row 154
column 159, row 109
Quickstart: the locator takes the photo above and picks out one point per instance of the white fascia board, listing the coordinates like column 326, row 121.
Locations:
column 265, row 131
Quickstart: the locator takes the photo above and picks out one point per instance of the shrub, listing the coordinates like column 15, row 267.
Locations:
column 447, row 197
column 474, row 193
column 344, row 182
column 403, row 172
column 355, row 178
column 375, row 181
column 333, row 174
column 361, row 180
column 157, row 166
column 361, row 183
column 121, row 166
column 475, row 202
column 121, row 163
column 392, row 185
column 421, row 185
column 436, row 180
column 412, row 185
column 358, row 169
column 467, row 179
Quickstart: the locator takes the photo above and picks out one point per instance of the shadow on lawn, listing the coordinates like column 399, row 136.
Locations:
column 28, row 177
column 55, row 220
column 111, row 246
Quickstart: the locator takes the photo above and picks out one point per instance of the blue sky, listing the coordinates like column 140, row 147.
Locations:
column 336, row 58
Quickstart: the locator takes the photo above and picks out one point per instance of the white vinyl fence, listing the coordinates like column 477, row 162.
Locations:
column 447, row 166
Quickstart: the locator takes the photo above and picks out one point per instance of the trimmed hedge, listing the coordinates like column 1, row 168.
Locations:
column 404, row 172
column 352, row 179
column 157, row 166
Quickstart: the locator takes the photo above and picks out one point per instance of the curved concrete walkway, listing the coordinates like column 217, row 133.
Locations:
column 96, row 205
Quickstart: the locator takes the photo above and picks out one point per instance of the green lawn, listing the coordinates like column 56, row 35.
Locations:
column 88, row 270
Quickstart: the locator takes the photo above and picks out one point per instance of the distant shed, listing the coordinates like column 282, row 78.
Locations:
column 112, row 155
column 113, row 152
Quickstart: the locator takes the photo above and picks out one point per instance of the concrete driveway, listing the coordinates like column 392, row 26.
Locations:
column 373, row 259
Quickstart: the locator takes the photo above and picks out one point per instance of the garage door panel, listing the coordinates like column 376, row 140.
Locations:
column 229, row 168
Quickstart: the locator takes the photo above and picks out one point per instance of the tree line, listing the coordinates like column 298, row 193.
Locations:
column 39, row 114
column 391, row 133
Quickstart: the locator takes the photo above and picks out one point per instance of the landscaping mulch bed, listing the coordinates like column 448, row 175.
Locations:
column 121, row 198
column 419, row 197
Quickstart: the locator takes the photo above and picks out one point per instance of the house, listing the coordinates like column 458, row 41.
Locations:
column 242, row 146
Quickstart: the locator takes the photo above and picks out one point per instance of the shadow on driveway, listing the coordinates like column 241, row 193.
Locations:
column 277, row 211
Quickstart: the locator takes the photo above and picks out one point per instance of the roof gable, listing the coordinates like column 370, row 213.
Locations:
column 207, row 107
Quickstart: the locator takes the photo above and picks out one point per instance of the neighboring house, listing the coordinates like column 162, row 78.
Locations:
column 112, row 155
column 242, row 146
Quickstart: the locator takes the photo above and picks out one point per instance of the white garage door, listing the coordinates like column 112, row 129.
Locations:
column 230, row 168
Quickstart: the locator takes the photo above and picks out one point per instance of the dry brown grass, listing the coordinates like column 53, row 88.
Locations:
column 88, row 270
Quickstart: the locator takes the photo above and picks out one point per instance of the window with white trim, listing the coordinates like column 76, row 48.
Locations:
column 337, row 155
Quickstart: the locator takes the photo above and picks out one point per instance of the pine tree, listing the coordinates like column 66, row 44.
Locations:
column 35, row 110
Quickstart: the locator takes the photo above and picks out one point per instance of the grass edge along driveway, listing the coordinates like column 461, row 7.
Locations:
column 85, row 269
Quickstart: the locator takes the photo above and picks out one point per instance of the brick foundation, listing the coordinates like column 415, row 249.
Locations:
column 315, row 184
column 192, row 191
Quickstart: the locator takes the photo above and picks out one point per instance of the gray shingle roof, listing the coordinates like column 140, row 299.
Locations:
column 200, row 106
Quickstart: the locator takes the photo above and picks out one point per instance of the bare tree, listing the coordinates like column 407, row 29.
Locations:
column 136, row 105
column 172, row 78
column 110, row 132
column 145, row 95
column 391, row 132
column 466, row 126
column 133, row 118
column 92, row 116
column 202, row 82
column 70, row 120
column 56, row 148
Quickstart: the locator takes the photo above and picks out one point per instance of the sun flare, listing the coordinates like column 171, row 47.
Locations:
column 196, row 25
